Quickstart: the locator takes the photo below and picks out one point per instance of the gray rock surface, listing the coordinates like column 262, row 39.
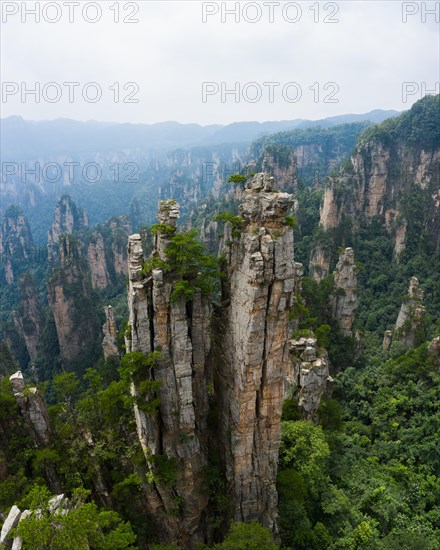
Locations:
column 110, row 332
column 345, row 301
column 181, row 332
column 10, row 523
column 33, row 409
column 310, row 376
column 409, row 327
column 252, row 356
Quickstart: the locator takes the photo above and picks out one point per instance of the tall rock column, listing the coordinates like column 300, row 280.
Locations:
column 68, row 219
column 72, row 302
column 180, row 330
column 253, row 355
column 33, row 409
column 28, row 320
column 345, row 301
column 310, row 376
column 110, row 331
column 409, row 327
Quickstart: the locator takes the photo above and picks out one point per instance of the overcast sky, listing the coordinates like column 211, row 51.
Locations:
column 355, row 55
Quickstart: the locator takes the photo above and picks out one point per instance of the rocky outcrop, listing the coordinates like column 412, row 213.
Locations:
column 106, row 252
column 120, row 229
column 58, row 504
column 387, row 340
column 252, row 358
column 298, row 272
column 280, row 163
column 110, row 331
column 33, row 409
column 345, row 300
column 72, row 302
column 393, row 167
column 68, row 219
column 16, row 243
column 10, row 523
column 409, row 328
column 34, row 414
column 310, row 375
column 249, row 363
column 15, row 235
column 319, row 264
column 28, row 319
column 97, row 262
column 176, row 434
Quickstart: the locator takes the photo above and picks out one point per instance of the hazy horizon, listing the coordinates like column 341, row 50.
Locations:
column 200, row 62
column 189, row 123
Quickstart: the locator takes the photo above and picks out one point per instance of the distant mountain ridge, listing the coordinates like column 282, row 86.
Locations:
column 23, row 139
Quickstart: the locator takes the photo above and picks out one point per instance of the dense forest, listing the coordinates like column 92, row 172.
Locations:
column 359, row 471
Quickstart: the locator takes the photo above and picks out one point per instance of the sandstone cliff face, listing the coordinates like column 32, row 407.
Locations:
column 280, row 163
column 319, row 263
column 181, row 332
column 97, row 262
column 104, row 248
column 33, row 409
column 72, row 303
column 249, row 364
column 409, row 327
column 68, row 219
column 252, row 359
column 28, row 319
column 379, row 185
column 310, row 375
column 345, row 301
column 110, row 332
column 120, row 229
column 16, row 242
column 106, row 252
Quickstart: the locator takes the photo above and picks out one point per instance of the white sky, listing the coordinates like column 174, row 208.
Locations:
column 170, row 52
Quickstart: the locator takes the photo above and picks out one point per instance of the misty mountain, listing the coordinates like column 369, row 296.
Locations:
column 23, row 139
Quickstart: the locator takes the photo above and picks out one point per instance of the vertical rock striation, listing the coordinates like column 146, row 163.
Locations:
column 345, row 301
column 110, row 331
column 97, row 261
column 33, row 409
column 319, row 263
column 249, row 364
column 68, row 219
column 16, row 243
column 280, row 162
column 28, row 319
column 71, row 300
column 310, row 375
column 180, row 331
column 253, row 357
column 409, row 327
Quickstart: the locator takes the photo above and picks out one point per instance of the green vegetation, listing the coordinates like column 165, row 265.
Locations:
column 251, row 536
column 418, row 127
column 235, row 221
column 237, row 178
column 189, row 264
column 84, row 526
column 367, row 476
column 328, row 148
